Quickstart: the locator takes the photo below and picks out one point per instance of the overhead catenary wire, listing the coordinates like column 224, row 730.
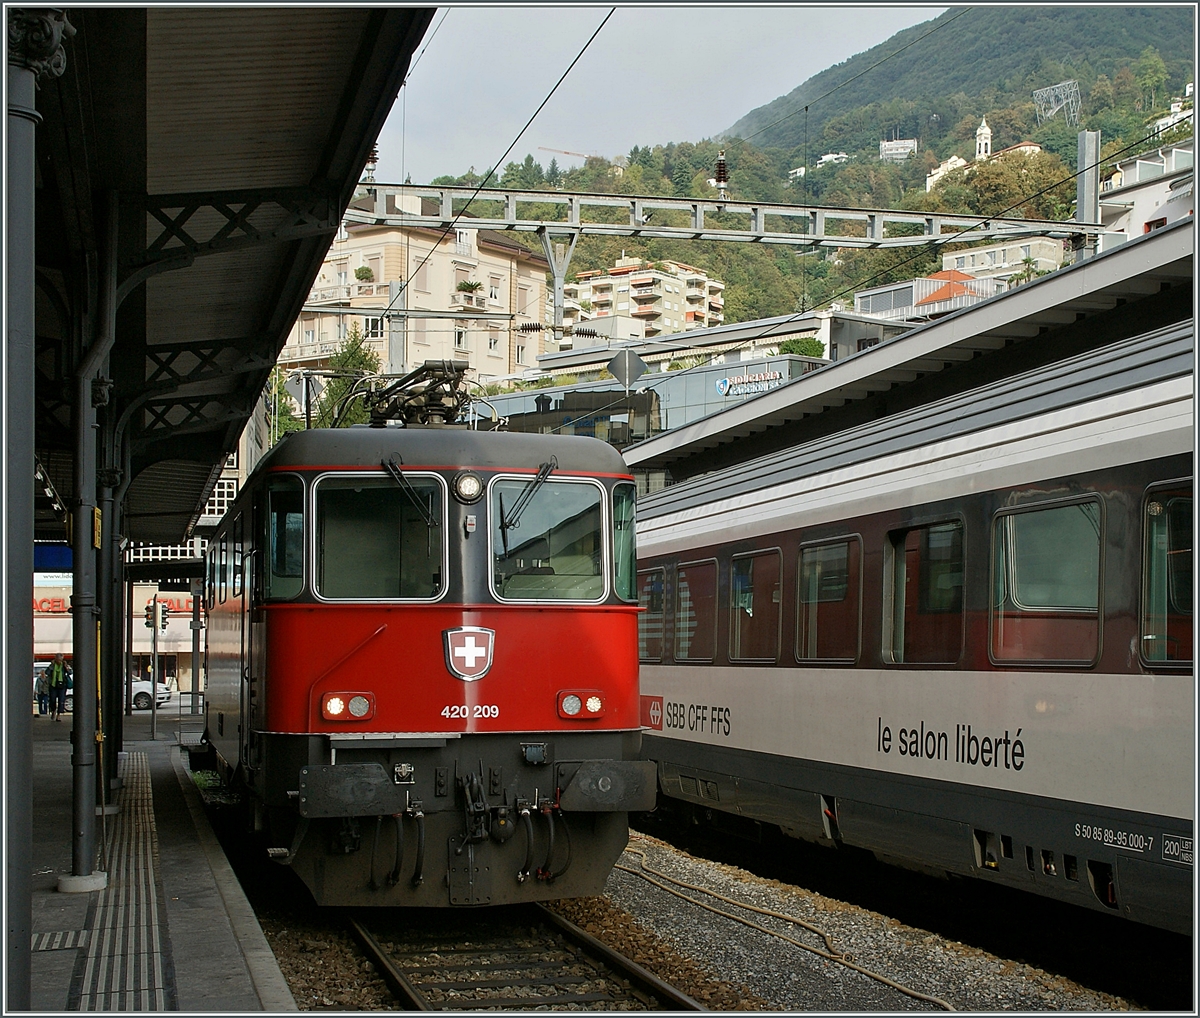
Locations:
column 549, row 95
column 778, row 326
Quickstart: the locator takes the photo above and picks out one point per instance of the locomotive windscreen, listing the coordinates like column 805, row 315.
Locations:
column 374, row 539
column 555, row 552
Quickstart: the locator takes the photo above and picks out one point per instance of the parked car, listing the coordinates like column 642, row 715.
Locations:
column 141, row 694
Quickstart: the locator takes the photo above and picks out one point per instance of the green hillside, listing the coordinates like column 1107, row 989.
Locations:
column 993, row 55
column 1129, row 63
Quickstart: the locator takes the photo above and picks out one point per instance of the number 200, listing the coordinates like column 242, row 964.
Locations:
column 480, row 710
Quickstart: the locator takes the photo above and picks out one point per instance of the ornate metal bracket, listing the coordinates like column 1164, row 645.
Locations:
column 35, row 37
column 199, row 224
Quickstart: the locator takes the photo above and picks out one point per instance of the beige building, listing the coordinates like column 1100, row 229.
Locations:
column 477, row 286
column 665, row 296
column 1007, row 259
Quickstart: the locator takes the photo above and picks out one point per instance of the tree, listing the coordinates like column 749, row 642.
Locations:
column 806, row 346
column 364, row 274
column 1101, row 95
column 352, row 361
column 1151, row 75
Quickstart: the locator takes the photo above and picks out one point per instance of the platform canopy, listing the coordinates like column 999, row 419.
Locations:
column 229, row 140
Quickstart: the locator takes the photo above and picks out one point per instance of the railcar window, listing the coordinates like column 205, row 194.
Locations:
column 237, row 557
column 650, row 621
column 284, row 540
column 374, row 541
column 1046, row 584
column 224, row 567
column 1167, row 577
column 555, row 550
column 696, row 611
column 827, row 623
column 926, row 594
column 624, row 546
column 755, row 595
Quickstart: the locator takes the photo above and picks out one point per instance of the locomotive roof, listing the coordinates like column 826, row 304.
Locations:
column 1143, row 360
column 451, row 447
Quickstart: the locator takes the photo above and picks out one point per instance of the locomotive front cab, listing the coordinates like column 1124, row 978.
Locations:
column 439, row 686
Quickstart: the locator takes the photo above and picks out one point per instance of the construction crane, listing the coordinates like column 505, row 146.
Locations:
column 564, row 152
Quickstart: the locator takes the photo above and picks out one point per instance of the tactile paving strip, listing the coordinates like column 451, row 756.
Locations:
column 128, row 965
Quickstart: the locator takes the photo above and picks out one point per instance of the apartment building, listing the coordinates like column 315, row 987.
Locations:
column 1005, row 260
column 418, row 295
column 665, row 296
column 1147, row 192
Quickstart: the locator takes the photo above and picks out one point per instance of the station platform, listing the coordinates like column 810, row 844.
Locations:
column 172, row 929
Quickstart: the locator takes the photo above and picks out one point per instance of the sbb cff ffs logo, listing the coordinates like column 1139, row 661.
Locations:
column 652, row 712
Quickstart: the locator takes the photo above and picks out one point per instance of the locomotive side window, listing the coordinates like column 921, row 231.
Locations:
column 236, row 579
column 650, row 621
column 624, row 546
column 755, row 595
column 547, row 540
column 1167, row 577
column 829, row 584
column 224, row 567
column 284, row 539
column 1046, row 584
column 696, row 611
column 926, row 585
column 376, row 539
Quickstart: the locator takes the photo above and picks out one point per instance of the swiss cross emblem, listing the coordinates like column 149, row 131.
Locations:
column 469, row 651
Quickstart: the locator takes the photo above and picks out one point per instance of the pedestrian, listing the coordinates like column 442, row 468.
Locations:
column 58, row 681
column 42, row 689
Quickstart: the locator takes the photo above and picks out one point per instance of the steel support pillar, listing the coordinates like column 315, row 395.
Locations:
column 559, row 257
column 86, row 541
column 1087, row 189
column 197, row 589
column 34, row 49
column 110, row 631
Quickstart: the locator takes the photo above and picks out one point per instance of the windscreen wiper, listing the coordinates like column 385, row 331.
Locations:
column 513, row 520
column 392, row 466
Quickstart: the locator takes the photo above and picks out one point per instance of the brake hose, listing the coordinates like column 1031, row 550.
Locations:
column 374, row 884
column 543, row 872
column 418, row 870
column 566, row 865
column 527, row 823
column 394, row 877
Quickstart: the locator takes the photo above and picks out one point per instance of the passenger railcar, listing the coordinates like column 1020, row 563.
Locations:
column 960, row 637
column 422, row 663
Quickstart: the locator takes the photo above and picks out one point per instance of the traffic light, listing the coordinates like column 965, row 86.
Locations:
column 164, row 614
column 151, row 614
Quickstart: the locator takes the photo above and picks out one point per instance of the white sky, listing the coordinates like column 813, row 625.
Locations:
column 653, row 75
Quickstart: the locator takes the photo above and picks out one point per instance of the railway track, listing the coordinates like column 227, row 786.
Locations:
column 521, row 959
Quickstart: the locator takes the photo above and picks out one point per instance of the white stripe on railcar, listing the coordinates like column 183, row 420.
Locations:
column 1122, row 741
column 1147, row 423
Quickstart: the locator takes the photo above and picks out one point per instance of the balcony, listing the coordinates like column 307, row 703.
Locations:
column 644, row 291
column 715, row 286
column 641, row 281
column 647, row 311
column 346, row 291
column 461, row 299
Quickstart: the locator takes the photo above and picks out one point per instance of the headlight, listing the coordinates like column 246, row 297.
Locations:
column 348, row 706
column 468, row 488
column 580, row 704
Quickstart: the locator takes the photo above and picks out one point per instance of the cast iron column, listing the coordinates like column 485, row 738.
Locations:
column 86, row 542
column 34, row 49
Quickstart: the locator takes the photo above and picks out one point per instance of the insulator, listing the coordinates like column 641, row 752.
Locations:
column 586, row 333
column 530, row 327
column 722, row 176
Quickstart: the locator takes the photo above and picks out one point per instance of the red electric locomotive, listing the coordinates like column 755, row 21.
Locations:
column 422, row 657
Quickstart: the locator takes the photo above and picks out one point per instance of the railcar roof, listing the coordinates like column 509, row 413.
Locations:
column 442, row 447
column 1143, row 360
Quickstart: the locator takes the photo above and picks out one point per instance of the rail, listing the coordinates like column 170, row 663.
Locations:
column 515, row 959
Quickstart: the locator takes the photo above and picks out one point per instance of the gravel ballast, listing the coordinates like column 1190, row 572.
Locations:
column 789, row 978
